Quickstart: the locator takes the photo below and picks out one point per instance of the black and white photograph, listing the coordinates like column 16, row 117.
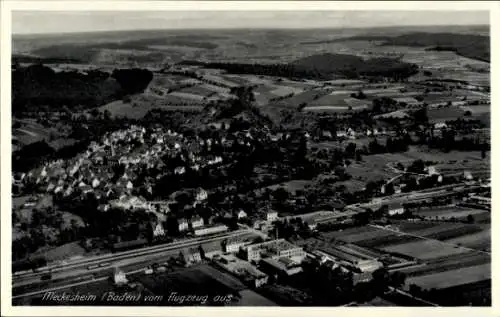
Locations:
column 235, row 158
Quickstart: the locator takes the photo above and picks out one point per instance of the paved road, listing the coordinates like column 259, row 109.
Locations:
column 397, row 290
column 254, row 231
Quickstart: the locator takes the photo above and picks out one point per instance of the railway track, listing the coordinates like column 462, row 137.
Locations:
column 105, row 260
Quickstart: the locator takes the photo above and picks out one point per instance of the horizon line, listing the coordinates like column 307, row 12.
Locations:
column 249, row 28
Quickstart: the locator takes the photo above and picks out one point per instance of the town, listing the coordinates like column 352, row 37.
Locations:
column 237, row 184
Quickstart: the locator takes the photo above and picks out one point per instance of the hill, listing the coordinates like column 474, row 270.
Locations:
column 354, row 67
column 468, row 45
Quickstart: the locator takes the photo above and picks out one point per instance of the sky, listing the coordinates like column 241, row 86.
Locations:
column 33, row 22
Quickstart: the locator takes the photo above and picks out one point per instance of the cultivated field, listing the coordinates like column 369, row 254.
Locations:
column 306, row 97
column 453, row 277
column 354, row 235
column 448, row 213
column 479, row 240
column 140, row 105
column 425, row 249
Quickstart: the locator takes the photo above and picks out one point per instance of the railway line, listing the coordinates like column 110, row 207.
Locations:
column 101, row 262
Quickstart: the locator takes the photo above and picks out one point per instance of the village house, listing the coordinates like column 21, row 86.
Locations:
column 197, row 222
column 201, row 194
column 180, row 170
column 192, row 256
column 131, row 202
column 232, row 245
column 95, row 182
column 103, row 207
column 242, row 214
column 182, row 224
column 158, row 230
column 120, row 278
column 395, row 209
column 271, row 216
column 86, row 189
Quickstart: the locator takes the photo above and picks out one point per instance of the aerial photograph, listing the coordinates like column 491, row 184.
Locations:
column 251, row 158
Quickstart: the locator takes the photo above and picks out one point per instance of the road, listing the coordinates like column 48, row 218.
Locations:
column 254, row 231
column 397, row 290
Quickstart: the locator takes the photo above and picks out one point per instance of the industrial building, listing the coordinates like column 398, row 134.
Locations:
column 242, row 269
column 274, row 249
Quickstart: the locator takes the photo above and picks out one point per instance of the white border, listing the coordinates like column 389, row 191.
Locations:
column 5, row 135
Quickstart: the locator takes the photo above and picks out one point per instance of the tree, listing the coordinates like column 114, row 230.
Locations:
column 202, row 251
column 415, row 290
column 359, row 157
column 350, row 150
column 389, row 189
column 421, row 116
column 417, row 166
column 380, row 280
column 133, row 80
column 397, row 279
column 181, row 259
column 483, row 153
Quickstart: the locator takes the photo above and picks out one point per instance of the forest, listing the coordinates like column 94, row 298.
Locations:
column 37, row 85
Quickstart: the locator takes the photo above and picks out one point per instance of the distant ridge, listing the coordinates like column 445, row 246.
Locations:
column 468, row 45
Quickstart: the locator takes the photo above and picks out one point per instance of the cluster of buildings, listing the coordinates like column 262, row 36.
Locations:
column 254, row 263
column 351, row 133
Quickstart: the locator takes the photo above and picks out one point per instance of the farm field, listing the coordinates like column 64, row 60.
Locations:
column 305, row 97
column 292, row 186
column 62, row 252
column 352, row 185
column 425, row 249
column 197, row 90
column 282, row 91
column 446, row 159
column 448, row 213
column 429, row 228
column 30, row 132
column 444, row 231
column 354, row 235
column 445, row 114
column 453, row 277
column 337, row 102
column 477, row 110
column 140, row 105
column 479, row 240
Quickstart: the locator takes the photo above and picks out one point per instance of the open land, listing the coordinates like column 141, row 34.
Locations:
column 281, row 125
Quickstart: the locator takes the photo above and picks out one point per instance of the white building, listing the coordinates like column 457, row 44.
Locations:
column 131, row 202
column 180, row 170
column 271, row 216
column 183, row 225
column 95, row 182
column 210, row 230
column 395, row 209
column 120, row 278
column 197, row 222
column 233, row 245
column 242, row 214
column 158, row 230
column 201, row 195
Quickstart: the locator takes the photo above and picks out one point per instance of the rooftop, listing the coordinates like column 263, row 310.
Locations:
column 273, row 246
